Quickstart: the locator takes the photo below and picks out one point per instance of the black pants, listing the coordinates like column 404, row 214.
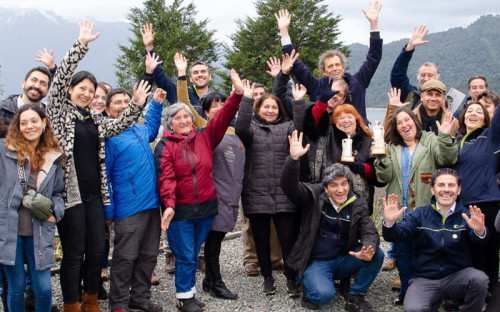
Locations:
column 287, row 227
column 212, row 252
column 82, row 233
column 137, row 242
column 485, row 257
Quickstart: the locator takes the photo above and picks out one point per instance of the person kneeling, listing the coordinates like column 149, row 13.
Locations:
column 337, row 239
column 443, row 232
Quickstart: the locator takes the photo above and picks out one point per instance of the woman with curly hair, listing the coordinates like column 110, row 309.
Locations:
column 30, row 160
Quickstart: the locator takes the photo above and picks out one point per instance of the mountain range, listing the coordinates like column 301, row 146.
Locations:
column 459, row 52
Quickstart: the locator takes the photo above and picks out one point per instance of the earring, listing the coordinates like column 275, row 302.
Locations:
column 43, row 130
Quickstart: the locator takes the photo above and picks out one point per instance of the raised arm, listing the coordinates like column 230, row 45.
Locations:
column 280, row 84
column 182, row 89
column 399, row 75
column 217, row 127
column 296, row 191
column 160, row 78
column 394, row 96
column 367, row 70
column 299, row 70
column 110, row 127
column 62, row 78
column 152, row 121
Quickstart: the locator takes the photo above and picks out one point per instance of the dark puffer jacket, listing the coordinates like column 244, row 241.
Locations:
column 266, row 147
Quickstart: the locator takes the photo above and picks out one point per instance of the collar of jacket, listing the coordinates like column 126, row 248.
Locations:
column 172, row 136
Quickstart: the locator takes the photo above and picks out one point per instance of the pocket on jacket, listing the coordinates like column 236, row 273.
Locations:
column 48, row 233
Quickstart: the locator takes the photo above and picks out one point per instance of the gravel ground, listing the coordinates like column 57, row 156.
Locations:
column 249, row 289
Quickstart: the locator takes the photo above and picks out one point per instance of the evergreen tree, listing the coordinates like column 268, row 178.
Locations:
column 176, row 31
column 313, row 30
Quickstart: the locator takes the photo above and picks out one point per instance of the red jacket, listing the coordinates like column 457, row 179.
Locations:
column 184, row 165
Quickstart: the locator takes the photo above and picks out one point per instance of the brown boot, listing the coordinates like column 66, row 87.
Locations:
column 89, row 303
column 71, row 307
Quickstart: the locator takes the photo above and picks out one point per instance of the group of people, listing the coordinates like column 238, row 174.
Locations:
column 80, row 162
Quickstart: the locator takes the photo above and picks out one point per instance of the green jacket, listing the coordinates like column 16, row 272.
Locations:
column 432, row 152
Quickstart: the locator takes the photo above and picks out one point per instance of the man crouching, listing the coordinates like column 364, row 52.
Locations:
column 443, row 232
column 337, row 239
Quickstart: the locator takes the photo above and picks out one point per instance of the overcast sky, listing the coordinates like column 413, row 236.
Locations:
column 396, row 21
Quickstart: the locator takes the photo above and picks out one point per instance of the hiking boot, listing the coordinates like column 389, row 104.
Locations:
column 269, row 288
column 169, row 263
column 389, row 264
column 357, row 303
column 199, row 303
column 151, row 307
column 292, row 287
column 188, row 305
column 252, row 269
column 155, row 280
column 89, row 303
column 219, row 290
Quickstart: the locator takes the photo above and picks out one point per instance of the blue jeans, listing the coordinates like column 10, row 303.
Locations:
column 185, row 238
column 391, row 252
column 16, row 278
column 404, row 256
column 319, row 275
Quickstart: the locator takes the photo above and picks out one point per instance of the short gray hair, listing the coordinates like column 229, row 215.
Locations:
column 328, row 54
column 172, row 110
column 336, row 171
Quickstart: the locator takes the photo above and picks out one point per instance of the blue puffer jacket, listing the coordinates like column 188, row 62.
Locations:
column 478, row 153
column 131, row 169
column 50, row 183
column 441, row 246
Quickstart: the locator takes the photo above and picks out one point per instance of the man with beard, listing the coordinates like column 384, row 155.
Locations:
column 36, row 84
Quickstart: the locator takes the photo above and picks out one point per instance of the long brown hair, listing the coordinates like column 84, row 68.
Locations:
column 17, row 142
column 349, row 109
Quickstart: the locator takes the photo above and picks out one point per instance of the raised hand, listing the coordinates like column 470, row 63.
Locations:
column 141, row 92
column 417, row 38
column 159, row 95
column 151, row 62
column 298, row 91
column 476, row 220
column 181, row 64
column 325, row 89
column 46, row 58
column 283, row 18
column 447, row 124
column 394, row 96
column 274, row 65
column 248, row 88
column 365, row 254
column 296, row 149
column 166, row 218
column 372, row 14
column 148, row 36
column 86, row 32
column 391, row 211
column 238, row 85
column 288, row 60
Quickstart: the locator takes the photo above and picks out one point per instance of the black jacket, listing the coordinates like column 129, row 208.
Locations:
column 310, row 199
